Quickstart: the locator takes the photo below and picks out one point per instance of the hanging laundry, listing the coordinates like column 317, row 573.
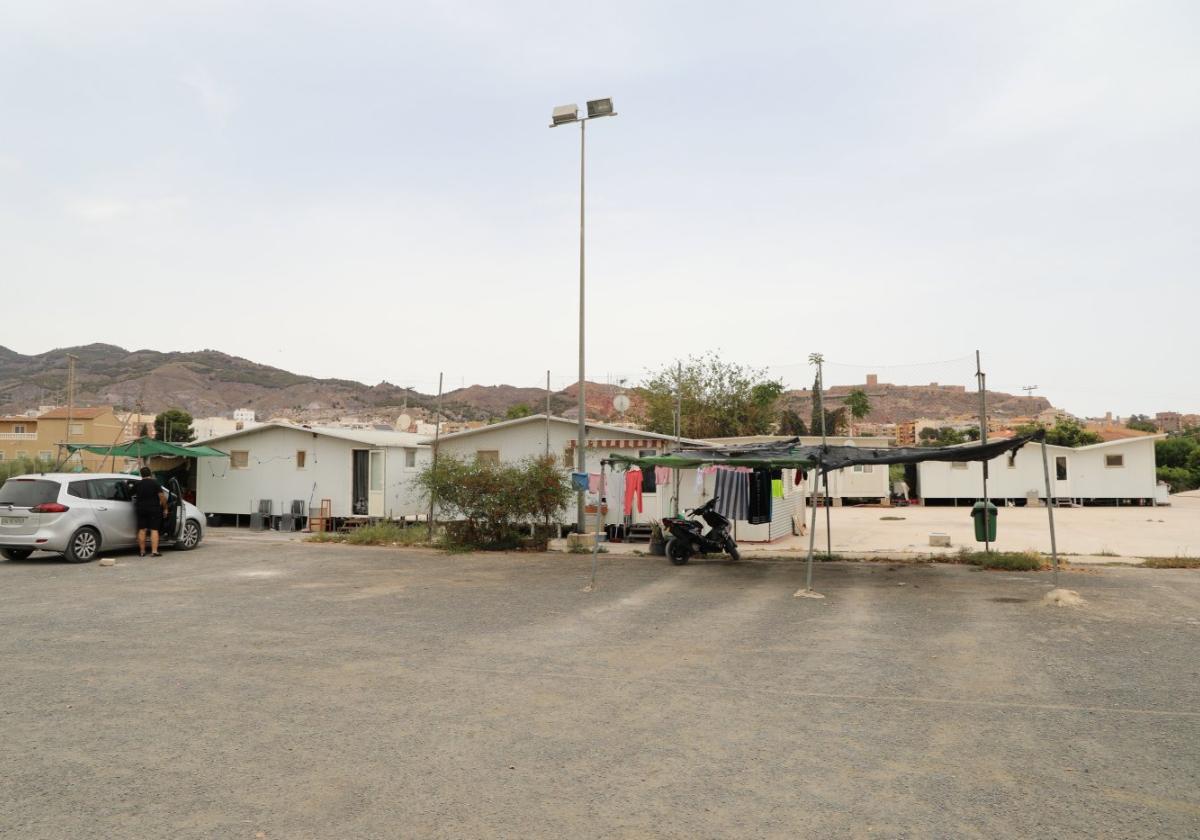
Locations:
column 614, row 492
column 649, row 483
column 760, row 497
column 733, row 493
column 776, row 488
column 633, row 488
column 662, row 475
column 699, row 482
column 595, row 483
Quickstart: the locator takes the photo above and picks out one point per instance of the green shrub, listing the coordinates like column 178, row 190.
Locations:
column 384, row 532
column 490, row 506
column 1012, row 561
column 1176, row 562
column 20, row 466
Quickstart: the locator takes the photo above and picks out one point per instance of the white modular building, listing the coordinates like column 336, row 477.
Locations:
column 1113, row 473
column 535, row 436
column 361, row 472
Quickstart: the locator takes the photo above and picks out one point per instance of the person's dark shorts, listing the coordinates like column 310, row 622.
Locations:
column 149, row 519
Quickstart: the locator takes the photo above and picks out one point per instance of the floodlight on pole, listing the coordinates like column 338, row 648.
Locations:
column 564, row 115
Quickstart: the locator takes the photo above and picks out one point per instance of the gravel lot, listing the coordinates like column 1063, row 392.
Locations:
column 258, row 688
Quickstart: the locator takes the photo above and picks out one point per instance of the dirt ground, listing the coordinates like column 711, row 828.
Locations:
column 273, row 689
column 1165, row 531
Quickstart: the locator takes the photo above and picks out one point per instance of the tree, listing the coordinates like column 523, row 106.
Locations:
column 1141, row 423
column 488, row 502
column 791, row 423
column 973, row 433
column 1065, row 432
column 720, row 399
column 175, row 426
column 517, row 411
column 945, row 436
column 858, row 404
column 928, row 435
column 144, row 431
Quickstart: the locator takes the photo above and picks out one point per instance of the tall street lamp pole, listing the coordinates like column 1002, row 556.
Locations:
column 562, row 115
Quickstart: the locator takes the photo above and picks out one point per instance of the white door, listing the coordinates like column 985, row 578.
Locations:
column 375, row 483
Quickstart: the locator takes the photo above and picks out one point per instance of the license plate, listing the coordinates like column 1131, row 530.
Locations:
column 12, row 520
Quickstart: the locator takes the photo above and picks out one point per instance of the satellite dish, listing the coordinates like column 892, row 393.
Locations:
column 403, row 423
column 621, row 403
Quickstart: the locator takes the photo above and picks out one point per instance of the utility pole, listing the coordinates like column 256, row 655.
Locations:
column 547, row 414
column 981, row 378
column 678, row 432
column 437, row 433
column 819, row 360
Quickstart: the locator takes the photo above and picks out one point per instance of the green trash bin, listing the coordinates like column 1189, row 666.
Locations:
column 977, row 515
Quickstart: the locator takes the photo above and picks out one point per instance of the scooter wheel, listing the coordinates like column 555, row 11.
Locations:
column 677, row 552
column 733, row 552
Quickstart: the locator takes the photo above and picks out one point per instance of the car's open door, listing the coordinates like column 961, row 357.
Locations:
column 173, row 526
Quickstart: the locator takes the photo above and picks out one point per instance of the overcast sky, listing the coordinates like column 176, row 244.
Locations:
column 370, row 190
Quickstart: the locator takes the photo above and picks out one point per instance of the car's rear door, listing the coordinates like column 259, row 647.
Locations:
column 18, row 497
column 112, row 505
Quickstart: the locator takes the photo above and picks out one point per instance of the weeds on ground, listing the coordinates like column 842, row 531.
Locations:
column 1176, row 562
column 1011, row 561
column 379, row 533
column 579, row 548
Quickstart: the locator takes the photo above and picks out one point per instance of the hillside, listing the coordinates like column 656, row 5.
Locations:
column 208, row 383
column 211, row 383
column 896, row 403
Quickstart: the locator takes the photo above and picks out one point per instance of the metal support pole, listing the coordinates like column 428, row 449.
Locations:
column 547, row 414
column 599, row 527
column 981, row 378
column 437, row 433
column 807, row 591
column 678, row 433
column 1050, row 511
column 581, row 440
column 824, row 447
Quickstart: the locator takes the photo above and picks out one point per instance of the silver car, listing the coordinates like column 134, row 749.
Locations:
column 79, row 514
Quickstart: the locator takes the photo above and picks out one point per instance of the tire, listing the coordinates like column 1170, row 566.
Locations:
column 678, row 551
column 732, row 550
column 16, row 553
column 83, row 547
column 190, row 537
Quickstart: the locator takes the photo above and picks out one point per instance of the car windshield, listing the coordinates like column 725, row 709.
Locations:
column 28, row 492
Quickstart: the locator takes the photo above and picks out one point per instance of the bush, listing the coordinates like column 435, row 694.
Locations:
column 1012, row 561
column 20, row 466
column 491, row 505
column 379, row 533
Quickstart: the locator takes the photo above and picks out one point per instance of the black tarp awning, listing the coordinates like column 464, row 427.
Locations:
column 791, row 453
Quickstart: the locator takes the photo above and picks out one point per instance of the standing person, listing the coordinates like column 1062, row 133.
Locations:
column 150, row 502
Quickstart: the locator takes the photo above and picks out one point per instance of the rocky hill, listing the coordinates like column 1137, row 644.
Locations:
column 896, row 403
column 209, row 383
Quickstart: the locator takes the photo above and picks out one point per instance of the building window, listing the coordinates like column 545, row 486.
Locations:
column 239, row 459
column 45, row 455
column 2, row 456
column 19, row 429
column 22, row 454
column 410, row 457
column 1060, row 468
column 958, row 465
column 1114, row 460
column 301, row 459
column 75, row 429
column 488, row 456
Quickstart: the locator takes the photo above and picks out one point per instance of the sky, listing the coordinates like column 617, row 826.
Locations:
column 370, row 190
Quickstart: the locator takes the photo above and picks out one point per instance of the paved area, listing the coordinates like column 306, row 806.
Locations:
column 274, row 689
column 1096, row 532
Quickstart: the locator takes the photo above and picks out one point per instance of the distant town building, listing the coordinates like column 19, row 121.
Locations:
column 1169, row 421
column 244, row 415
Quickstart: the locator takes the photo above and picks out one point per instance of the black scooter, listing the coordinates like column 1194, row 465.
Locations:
column 687, row 539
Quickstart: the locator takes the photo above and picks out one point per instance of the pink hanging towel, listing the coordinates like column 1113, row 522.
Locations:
column 633, row 487
column 662, row 475
column 595, row 483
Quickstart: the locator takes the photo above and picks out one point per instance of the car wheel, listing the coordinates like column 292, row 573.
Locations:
column 190, row 538
column 678, row 551
column 16, row 553
column 83, row 546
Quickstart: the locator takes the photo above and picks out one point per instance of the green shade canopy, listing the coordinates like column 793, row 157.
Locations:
column 147, row 447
